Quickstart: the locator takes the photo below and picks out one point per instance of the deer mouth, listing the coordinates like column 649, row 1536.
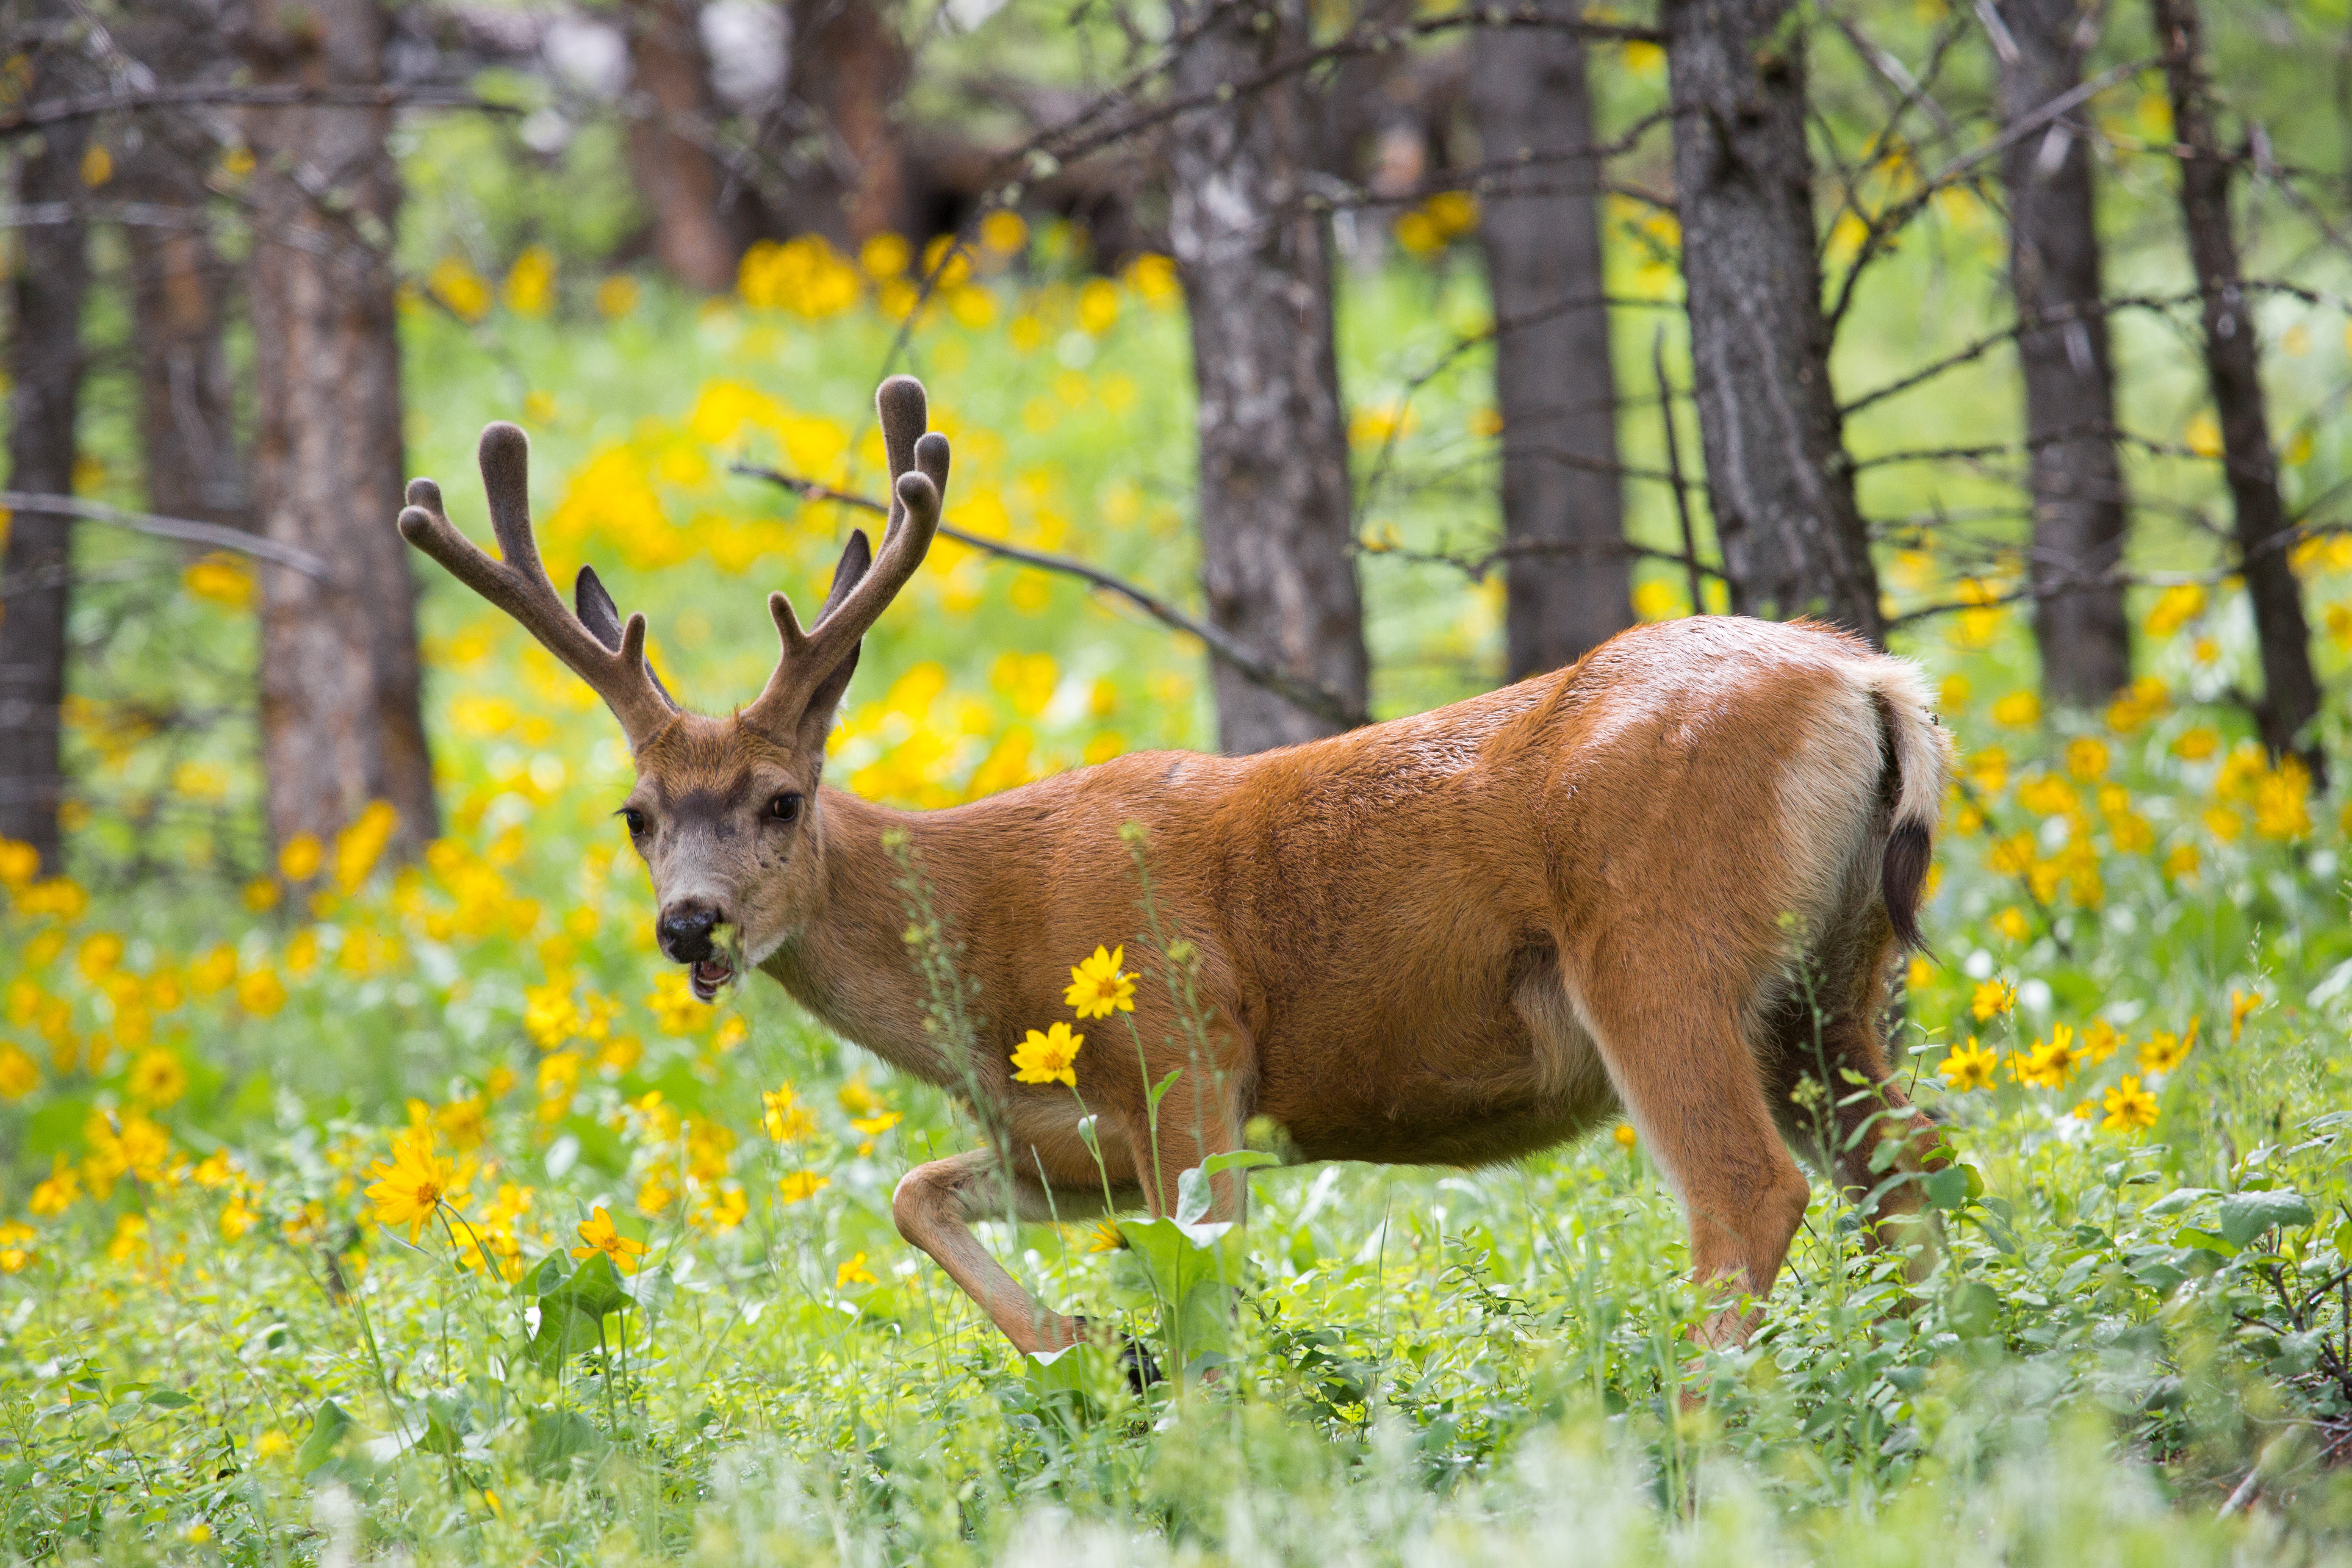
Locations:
column 708, row 977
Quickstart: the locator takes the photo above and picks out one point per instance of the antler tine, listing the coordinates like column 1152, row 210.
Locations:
column 904, row 409
column 918, row 463
column 519, row 584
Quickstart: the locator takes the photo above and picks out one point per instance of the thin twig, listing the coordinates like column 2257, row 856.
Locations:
column 181, row 528
column 1674, row 467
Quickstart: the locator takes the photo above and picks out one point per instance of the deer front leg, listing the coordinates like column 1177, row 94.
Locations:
column 934, row 1206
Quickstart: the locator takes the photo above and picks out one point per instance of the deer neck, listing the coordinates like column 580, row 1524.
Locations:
column 848, row 962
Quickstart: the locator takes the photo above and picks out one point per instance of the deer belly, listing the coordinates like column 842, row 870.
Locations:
column 1532, row 1080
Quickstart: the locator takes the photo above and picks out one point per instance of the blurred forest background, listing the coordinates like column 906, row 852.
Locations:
column 1305, row 364
column 1732, row 270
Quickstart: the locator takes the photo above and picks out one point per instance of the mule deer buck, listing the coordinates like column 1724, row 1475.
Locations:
column 1667, row 882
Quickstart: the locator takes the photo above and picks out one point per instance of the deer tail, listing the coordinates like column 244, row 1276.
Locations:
column 1919, row 756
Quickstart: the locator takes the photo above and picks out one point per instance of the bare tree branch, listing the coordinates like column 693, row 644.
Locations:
column 1310, row 696
column 181, row 528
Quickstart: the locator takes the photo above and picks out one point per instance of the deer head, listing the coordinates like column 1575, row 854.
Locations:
column 725, row 811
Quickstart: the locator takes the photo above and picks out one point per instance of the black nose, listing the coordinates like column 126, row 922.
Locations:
column 684, row 931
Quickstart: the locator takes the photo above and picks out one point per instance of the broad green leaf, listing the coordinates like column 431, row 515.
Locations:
column 594, row 1289
column 2245, row 1216
column 555, row 1438
column 2175, row 1201
column 328, row 1427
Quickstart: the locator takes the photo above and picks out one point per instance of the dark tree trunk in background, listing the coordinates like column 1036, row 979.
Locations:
column 1554, row 383
column 842, row 76
column 182, row 287
column 45, row 365
column 2070, row 400
column 339, row 680
column 1792, row 537
column 675, row 174
column 1276, row 545
column 2290, row 698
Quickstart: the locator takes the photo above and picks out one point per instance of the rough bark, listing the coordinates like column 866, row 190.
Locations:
column 2290, row 698
column 845, row 71
column 1276, row 560
column 1554, row 383
column 2077, row 480
column 1792, row 538
column 45, row 367
column 675, row 174
column 340, row 717
column 187, row 405
column 182, row 287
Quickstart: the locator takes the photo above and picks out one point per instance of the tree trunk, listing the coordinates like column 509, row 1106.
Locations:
column 1569, row 588
column 45, row 364
column 187, row 408
column 2290, row 698
column 1792, row 537
column 847, row 69
column 2070, row 400
column 339, row 718
column 676, row 175
column 1276, row 544
column 181, row 284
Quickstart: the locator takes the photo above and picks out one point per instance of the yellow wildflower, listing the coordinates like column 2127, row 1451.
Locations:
column 1991, row 999
column 2129, row 1107
column 2240, row 1003
column 1103, row 1235
column 157, row 1078
column 786, row 1120
column 676, row 1007
column 801, row 1185
column 599, row 1235
column 1968, row 1067
column 20, row 1074
column 1625, row 1136
column 260, row 993
column 853, row 1272
column 2163, row 1051
column 59, row 1191
column 409, row 1189
column 721, row 1211
column 1098, row 988
column 129, row 1236
column 2100, row 1040
column 2086, row 757
column 272, row 1443
column 16, row 1245
column 1048, row 1057
column 2012, row 925
column 2052, row 1061
column 237, row 1217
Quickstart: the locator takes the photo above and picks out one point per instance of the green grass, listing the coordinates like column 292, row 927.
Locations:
column 225, row 1356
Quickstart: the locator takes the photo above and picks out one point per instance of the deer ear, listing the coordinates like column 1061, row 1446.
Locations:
column 597, row 612
column 856, row 556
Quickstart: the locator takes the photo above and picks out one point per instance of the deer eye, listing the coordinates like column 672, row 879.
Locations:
column 636, row 820
column 785, row 807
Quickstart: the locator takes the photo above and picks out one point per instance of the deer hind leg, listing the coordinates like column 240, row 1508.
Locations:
column 934, row 1207
column 1688, row 1080
column 1867, row 1137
